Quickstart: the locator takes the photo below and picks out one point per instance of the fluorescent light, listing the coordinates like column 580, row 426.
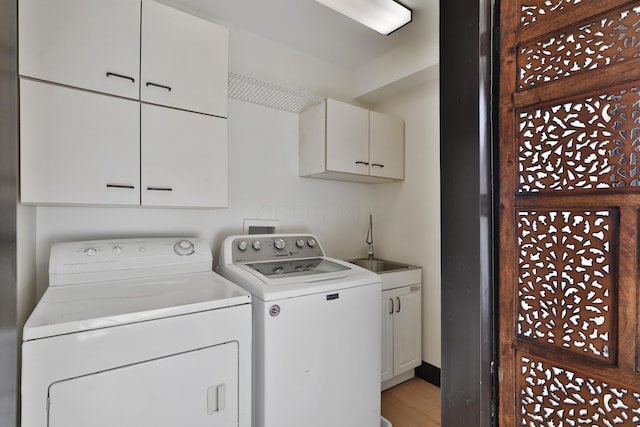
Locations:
column 384, row 16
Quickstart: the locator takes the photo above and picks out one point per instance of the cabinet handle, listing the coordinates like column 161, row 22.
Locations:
column 128, row 187
column 110, row 74
column 398, row 310
column 168, row 88
column 377, row 164
column 362, row 163
column 159, row 188
column 391, row 301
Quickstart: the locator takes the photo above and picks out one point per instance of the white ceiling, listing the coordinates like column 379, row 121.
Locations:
column 312, row 28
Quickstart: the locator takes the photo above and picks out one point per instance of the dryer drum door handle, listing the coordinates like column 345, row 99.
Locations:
column 216, row 398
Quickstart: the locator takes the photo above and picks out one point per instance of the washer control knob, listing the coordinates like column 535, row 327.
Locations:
column 300, row 243
column 279, row 243
column 311, row 243
column 243, row 246
column 184, row 247
column 90, row 251
column 257, row 245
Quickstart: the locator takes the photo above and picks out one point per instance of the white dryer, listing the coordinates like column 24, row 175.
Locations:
column 316, row 332
column 134, row 333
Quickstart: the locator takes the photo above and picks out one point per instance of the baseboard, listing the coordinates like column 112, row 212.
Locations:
column 429, row 373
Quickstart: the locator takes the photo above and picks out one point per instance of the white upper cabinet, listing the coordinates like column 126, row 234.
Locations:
column 184, row 60
column 347, row 138
column 184, row 158
column 78, row 148
column 90, row 44
column 147, row 51
column 386, row 146
column 122, row 102
column 345, row 142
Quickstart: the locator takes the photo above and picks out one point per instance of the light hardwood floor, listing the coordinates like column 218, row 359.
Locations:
column 414, row 403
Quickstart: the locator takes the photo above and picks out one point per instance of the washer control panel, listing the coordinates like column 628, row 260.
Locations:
column 269, row 247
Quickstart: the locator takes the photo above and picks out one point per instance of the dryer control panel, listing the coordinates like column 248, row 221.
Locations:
column 270, row 247
column 120, row 259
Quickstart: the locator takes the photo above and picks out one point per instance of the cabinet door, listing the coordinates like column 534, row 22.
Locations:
column 184, row 158
column 78, row 147
column 90, row 44
column 198, row 388
column 407, row 329
column 386, row 360
column 184, row 60
column 386, row 146
column 347, row 138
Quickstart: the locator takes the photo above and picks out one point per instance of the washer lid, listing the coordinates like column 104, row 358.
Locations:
column 286, row 269
column 76, row 308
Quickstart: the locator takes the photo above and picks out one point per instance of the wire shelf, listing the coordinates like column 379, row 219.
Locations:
column 270, row 95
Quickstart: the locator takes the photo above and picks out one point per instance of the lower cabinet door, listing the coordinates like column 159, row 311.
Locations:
column 406, row 329
column 197, row 389
column 184, row 158
column 401, row 330
column 386, row 355
column 78, row 147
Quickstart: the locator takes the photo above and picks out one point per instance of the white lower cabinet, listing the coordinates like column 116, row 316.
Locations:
column 77, row 147
column 401, row 350
column 184, row 158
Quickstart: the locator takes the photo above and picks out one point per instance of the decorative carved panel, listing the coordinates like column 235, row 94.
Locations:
column 569, row 213
column 553, row 395
column 599, row 43
column 531, row 11
column 587, row 143
column 566, row 295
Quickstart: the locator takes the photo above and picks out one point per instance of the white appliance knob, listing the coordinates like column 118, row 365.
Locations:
column 243, row 246
column 311, row 243
column 117, row 250
column 300, row 243
column 279, row 243
column 256, row 245
column 90, row 251
column 184, row 247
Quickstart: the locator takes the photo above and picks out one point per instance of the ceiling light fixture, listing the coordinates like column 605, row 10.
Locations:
column 384, row 16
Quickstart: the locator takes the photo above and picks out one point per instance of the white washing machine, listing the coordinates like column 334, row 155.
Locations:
column 316, row 332
column 135, row 333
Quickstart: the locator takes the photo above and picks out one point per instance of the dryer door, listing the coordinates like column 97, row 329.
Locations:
column 196, row 388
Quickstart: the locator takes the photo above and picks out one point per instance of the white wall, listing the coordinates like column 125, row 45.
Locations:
column 407, row 213
column 263, row 184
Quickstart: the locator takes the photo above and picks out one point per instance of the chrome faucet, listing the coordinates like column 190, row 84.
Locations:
column 370, row 238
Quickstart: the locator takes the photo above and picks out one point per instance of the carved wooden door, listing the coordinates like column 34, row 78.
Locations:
column 569, row 213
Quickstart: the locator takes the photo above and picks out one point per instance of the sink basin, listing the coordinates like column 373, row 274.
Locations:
column 379, row 265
